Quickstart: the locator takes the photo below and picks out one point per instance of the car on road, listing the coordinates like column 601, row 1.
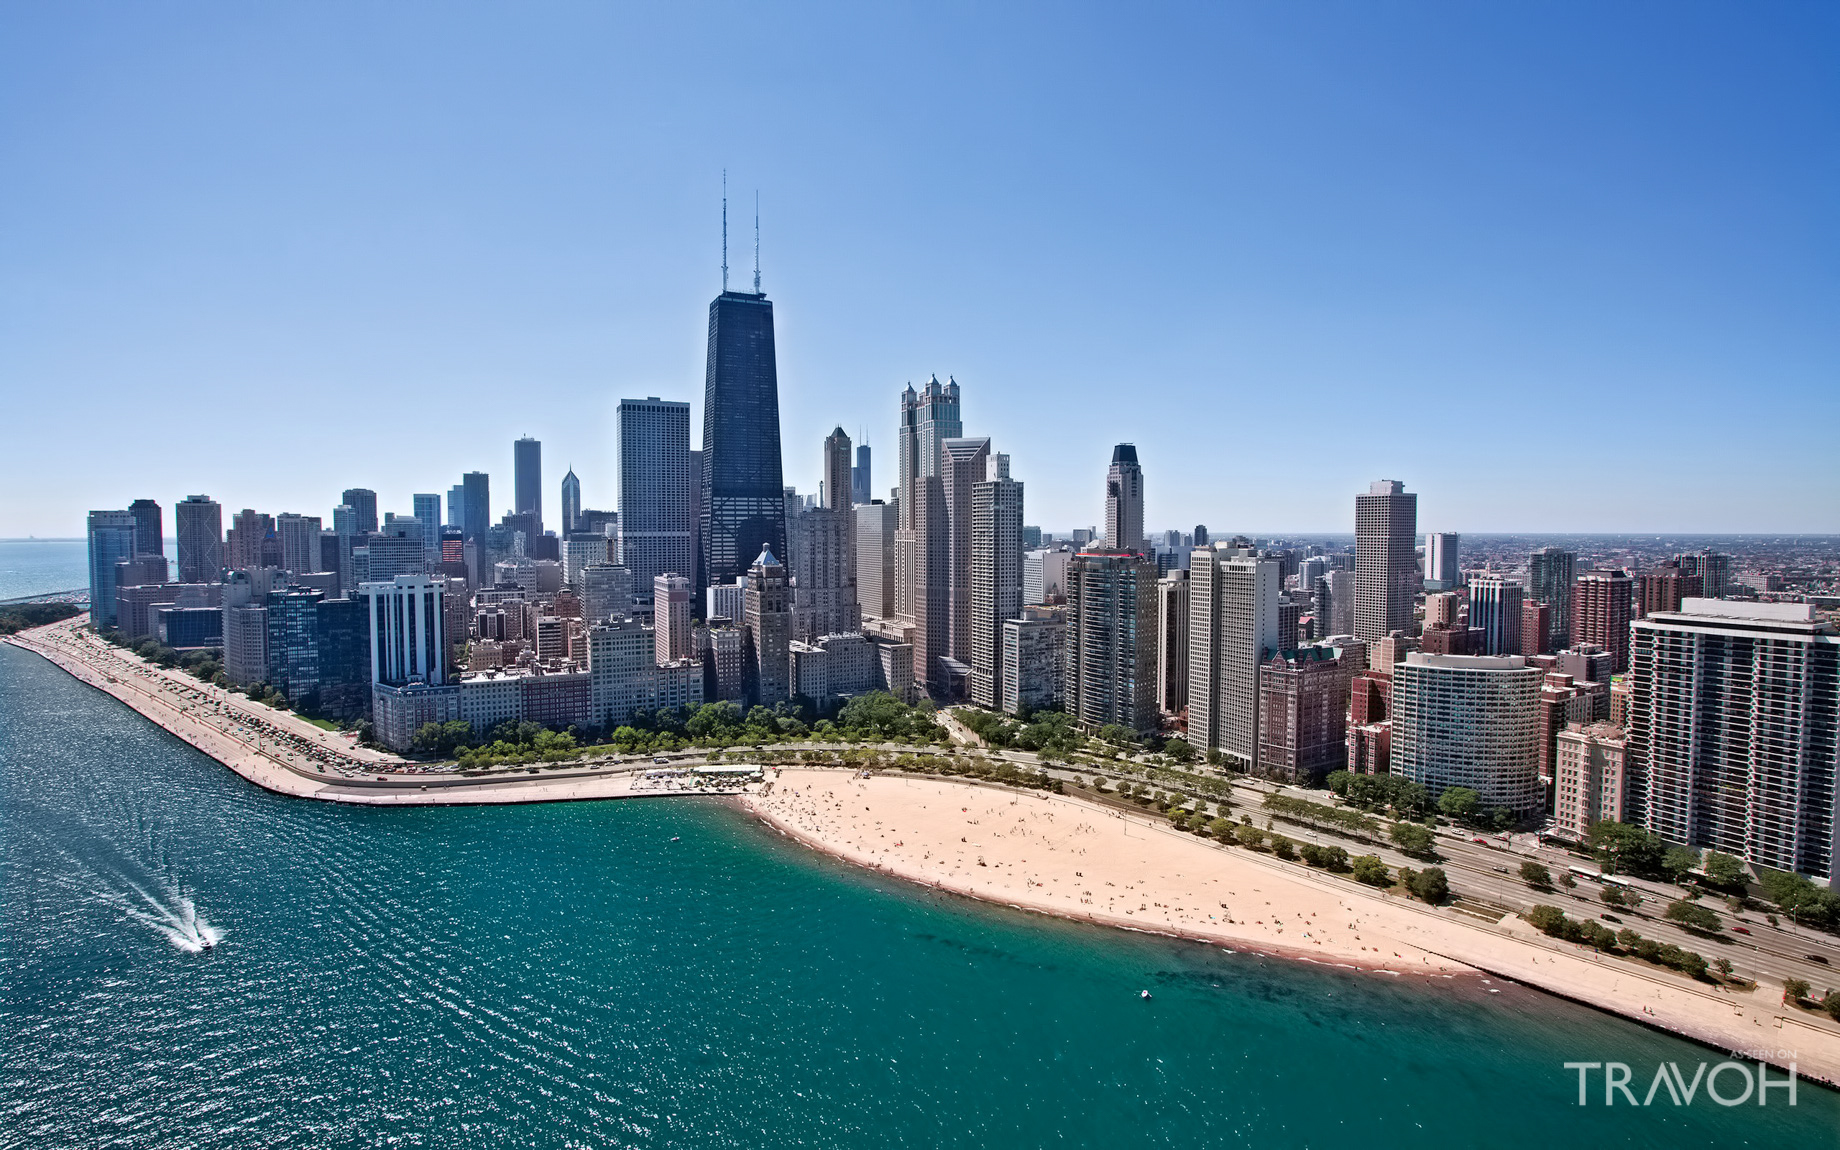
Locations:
column 1820, row 958
column 1609, row 918
column 1742, row 929
column 1480, row 842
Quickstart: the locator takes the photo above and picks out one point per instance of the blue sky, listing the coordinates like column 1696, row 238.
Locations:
column 1558, row 267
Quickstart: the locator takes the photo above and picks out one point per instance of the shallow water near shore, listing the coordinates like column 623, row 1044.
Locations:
column 674, row 973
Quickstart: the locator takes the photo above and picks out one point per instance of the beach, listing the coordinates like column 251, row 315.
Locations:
column 1065, row 856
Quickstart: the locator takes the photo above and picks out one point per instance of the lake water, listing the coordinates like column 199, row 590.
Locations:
column 668, row 972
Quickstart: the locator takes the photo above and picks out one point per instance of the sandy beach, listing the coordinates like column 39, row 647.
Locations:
column 1068, row 857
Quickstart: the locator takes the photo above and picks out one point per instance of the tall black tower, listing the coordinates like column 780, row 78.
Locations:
column 743, row 498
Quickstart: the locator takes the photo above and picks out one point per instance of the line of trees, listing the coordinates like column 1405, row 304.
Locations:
column 1552, row 921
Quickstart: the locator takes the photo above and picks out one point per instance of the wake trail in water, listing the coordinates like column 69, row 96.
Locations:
column 120, row 881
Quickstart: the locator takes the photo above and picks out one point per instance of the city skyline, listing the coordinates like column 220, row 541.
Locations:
column 1658, row 287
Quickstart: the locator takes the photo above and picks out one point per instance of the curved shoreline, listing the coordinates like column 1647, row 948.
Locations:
column 1445, row 943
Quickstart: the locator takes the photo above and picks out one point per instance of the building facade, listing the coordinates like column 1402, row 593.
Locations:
column 1495, row 609
column 1233, row 623
column 1124, row 500
column 1462, row 721
column 766, row 643
column 111, row 541
column 199, row 523
column 1601, row 610
column 996, row 576
column 1550, row 574
column 743, row 508
column 1386, row 575
column 653, row 488
column 1111, row 641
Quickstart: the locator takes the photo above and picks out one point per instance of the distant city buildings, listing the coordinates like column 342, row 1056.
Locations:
column 1550, row 574
column 1442, row 565
column 527, row 481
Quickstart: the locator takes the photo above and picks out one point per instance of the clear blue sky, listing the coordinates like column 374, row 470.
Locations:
column 1557, row 266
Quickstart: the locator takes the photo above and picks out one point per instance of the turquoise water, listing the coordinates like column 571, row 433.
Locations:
column 669, row 973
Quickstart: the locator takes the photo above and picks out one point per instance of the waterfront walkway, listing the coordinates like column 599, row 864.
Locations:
column 284, row 753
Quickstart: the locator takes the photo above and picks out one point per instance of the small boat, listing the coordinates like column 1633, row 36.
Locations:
column 1144, row 994
column 674, row 838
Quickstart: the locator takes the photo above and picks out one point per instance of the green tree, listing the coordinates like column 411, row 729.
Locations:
column 1250, row 837
column 1283, row 847
column 1723, row 870
column 1677, row 861
column 1431, row 884
column 1723, row 966
column 1831, row 1004
column 1370, row 870
column 1536, row 875
column 1338, row 782
column 1610, row 895
column 1221, row 829
column 1690, row 914
column 1547, row 919
column 1626, row 849
column 1179, row 750
column 1795, row 989
column 1460, row 803
column 1413, row 839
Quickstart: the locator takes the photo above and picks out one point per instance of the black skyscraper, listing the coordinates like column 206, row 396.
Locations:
column 149, row 538
column 743, row 498
column 478, row 488
column 527, row 480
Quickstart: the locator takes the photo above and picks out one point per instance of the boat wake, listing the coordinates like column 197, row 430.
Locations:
column 175, row 917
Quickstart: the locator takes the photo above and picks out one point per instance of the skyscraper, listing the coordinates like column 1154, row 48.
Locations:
column 923, row 539
column 363, row 503
column 1601, row 608
column 1385, row 559
column 875, row 570
column 149, row 537
column 299, row 539
column 1495, row 608
column 839, row 487
column 743, row 500
column 527, row 480
column 1233, row 625
column 428, row 514
column 1550, row 573
column 996, row 576
column 1732, row 714
column 1172, row 635
column 199, row 522
column 571, row 504
column 111, row 541
column 862, row 487
column 249, row 531
column 965, row 464
column 456, row 507
column 1124, row 500
column 1442, row 572
column 767, row 644
column 653, row 487
column 476, row 505
column 1111, row 636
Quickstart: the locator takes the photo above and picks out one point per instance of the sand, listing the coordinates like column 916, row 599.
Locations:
column 1069, row 857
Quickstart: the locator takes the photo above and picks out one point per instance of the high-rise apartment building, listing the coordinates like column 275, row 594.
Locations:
column 1495, row 609
column 1536, row 625
column 363, row 503
column 1711, row 571
column 821, row 561
column 1044, row 575
column 571, row 504
column 149, row 538
column 1550, row 574
column 861, row 479
column 839, row 491
column 1442, row 569
column 653, row 488
column 1335, row 603
column 1385, row 559
column 199, row 523
column 1468, row 721
column 1034, row 661
column 527, row 480
column 1601, row 608
column 1733, row 713
column 111, row 541
column 456, row 507
column 606, row 592
column 247, row 540
column 929, row 417
column 1124, row 500
column 1303, row 710
column 996, row 575
column 298, row 536
column 1233, row 626
column 875, row 570
column 1111, row 636
column 1172, row 638
column 407, row 630
column 766, row 648
column 671, row 597
column 1665, row 589
column 966, row 461
column 743, row 508
column 1590, row 782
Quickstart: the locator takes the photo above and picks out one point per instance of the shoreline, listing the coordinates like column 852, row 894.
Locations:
column 925, row 814
column 168, row 699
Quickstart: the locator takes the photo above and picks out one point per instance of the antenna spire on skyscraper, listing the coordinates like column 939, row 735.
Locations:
column 756, row 241
column 724, row 229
